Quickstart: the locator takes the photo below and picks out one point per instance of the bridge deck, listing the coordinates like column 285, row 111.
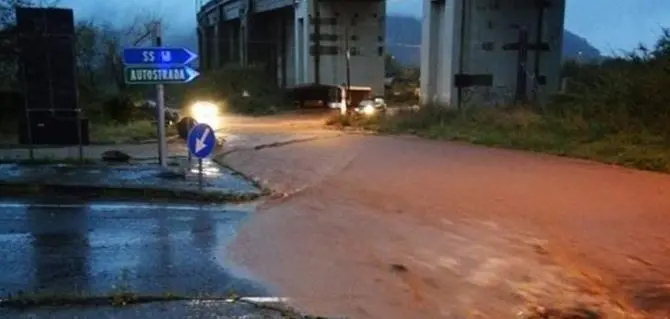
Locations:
column 224, row 10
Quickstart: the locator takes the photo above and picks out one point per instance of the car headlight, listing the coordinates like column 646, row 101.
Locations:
column 369, row 110
column 205, row 112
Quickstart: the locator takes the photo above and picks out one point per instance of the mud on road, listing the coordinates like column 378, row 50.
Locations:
column 387, row 227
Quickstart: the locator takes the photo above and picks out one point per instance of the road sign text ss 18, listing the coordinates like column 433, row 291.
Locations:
column 158, row 56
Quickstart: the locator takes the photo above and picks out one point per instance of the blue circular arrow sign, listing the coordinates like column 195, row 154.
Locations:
column 201, row 140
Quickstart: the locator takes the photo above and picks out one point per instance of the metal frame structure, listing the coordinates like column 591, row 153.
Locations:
column 51, row 109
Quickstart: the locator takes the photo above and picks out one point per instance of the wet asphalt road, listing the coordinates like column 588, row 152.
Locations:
column 101, row 248
column 166, row 310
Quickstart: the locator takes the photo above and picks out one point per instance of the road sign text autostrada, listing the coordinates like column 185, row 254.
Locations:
column 137, row 75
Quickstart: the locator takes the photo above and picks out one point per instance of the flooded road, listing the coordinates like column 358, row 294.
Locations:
column 100, row 248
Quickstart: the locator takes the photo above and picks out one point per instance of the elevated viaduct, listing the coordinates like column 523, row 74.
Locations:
column 473, row 51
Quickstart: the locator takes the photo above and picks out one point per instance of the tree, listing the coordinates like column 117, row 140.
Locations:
column 8, row 49
column 391, row 66
column 88, row 58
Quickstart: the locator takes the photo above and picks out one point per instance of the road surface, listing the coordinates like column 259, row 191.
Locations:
column 50, row 247
column 95, row 248
column 400, row 227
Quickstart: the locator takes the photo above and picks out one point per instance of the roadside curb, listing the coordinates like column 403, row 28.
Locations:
column 170, row 138
column 220, row 160
column 127, row 298
column 101, row 192
column 147, row 141
column 273, row 144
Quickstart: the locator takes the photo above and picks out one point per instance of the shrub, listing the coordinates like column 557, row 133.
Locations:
column 118, row 108
column 622, row 93
column 228, row 85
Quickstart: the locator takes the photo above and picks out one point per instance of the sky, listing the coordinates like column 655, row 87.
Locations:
column 609, row 25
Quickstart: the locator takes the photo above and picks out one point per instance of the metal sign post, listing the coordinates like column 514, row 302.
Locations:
column 200, row 173
column 159, row 66
column 160, row 105
column 201, row 142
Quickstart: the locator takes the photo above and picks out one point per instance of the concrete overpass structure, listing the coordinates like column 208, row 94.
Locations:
column 490, row 51
column 473, row 51
column 301, row 41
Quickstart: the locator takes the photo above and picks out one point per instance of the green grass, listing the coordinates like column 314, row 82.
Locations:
column 524, row 129
column 133, row 132
column 106, row 133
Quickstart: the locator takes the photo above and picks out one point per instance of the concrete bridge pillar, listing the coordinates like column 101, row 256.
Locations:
column 201, row 47
column 230, row 42
column 209, row 48
column 243, row 42
column 301, row 31
column 282, row 47
column 217, row 59
column 325, row 29
column 486, row 52
column 288, row 48
column 245, row 31
column 223, row 42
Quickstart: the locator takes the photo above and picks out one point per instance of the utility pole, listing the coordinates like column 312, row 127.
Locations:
column 347, row 51
column 160, row 104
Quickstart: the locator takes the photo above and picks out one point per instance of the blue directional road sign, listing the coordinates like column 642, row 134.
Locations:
column 159, row 74
column 201, row 140
column 158, row 56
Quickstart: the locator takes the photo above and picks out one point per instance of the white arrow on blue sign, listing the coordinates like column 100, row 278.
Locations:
column 201, row 140
column 158, row 56
column 159, row 74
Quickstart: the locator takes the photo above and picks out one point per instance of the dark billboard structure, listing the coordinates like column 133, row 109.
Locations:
column 46, row 42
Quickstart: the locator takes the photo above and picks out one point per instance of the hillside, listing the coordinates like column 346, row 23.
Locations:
column 403, row 40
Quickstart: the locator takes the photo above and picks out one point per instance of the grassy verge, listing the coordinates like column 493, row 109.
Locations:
column 527, row 130
column 133, row 132
column 105, row 133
